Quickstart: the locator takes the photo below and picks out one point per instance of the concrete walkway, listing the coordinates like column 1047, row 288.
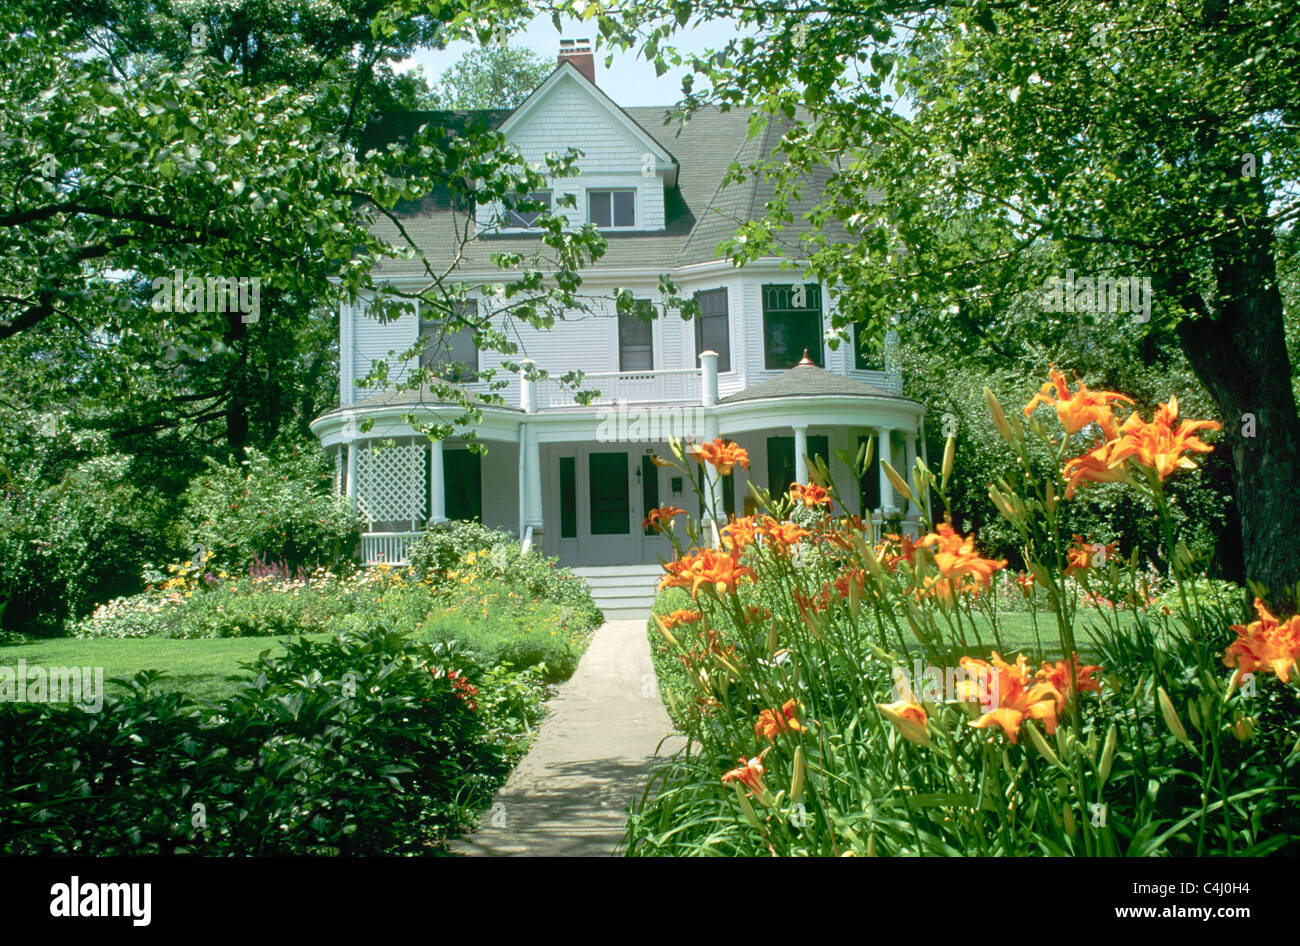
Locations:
column 570, row 794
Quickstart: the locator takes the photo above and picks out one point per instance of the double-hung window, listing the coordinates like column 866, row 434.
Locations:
column 792, row 323
column 450, row 348
column 609, row 209
column 712, row 331
column 635, row 343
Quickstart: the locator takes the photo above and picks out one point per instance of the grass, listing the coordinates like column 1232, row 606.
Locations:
column 206, row 669
column 1016, row 631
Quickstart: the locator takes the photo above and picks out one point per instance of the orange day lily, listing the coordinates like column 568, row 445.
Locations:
column 749, row 773
column 705, row 567
column 659, row 515
column 1007, row 696
column 960, row 568
column 1058, row 675
column 739, row 533
column 772, row 723
column 1268, row 643
column 1158, row 446
column 1106, row 463
column 723, row 454
column 1076, row 411
column 811, row 495
column 909, row 718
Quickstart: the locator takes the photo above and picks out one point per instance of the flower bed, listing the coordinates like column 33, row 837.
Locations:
column 852, row 694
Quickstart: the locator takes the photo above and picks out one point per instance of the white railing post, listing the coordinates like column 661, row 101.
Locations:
column 527, row 387
column 709, row 378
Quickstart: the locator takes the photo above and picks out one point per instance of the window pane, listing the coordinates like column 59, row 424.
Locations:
column 568, row 498
column 610, row 503
column 453, row 347
column 780, row 464
column 792, row 322
column 624, row 208
column 635, row 348
column 598, row 211
column 866, row 349
column 527, row 218
column 712, row 332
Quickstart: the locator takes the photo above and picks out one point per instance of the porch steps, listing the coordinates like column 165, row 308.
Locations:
column 622, row 592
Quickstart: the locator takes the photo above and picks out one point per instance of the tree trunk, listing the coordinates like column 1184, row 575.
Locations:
column 1239, row 352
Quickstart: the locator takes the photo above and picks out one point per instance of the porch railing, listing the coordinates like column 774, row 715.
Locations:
column 391, row 548
column 673, row 384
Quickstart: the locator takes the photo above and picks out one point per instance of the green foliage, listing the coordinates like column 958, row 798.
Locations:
column 492, row 553
column 271, row 510
column 494, row 76
column 356, row 744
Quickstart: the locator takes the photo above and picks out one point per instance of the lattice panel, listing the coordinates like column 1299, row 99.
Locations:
column 391, row 482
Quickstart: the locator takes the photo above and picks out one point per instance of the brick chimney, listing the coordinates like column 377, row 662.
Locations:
column 578, row 52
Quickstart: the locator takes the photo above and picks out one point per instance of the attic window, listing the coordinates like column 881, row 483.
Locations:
column 612, row 208
column 527, row 219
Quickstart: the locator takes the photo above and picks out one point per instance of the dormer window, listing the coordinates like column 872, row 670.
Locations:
column 611, row 209
column 517, row 219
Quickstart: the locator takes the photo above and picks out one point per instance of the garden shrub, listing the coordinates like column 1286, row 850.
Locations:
column 268, row 509
column 362, row 743
column 447, row 553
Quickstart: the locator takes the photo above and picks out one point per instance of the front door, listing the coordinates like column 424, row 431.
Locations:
column 610, row 537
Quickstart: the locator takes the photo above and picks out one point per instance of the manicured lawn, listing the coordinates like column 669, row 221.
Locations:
column 1017, row 633
column 207, row 669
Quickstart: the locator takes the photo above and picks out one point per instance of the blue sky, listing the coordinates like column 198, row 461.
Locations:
column 631, row 80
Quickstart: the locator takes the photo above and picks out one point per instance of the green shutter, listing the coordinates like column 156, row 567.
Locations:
column 568, row 498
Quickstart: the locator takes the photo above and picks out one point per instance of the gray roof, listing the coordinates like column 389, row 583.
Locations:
column 808, row 381
column 423, row 397
column 699, row 210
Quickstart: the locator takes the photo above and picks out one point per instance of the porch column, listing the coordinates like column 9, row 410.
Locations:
column 532, row 486
column 352, row 474
column 925, row 455
column 437, row 484
column 800, row 455
column 712, row 485
column 885, row 454
column 910, row 441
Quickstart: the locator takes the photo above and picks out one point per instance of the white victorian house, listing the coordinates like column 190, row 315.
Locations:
column 573, row 480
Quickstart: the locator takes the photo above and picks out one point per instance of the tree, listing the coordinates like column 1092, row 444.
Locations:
column 493, row 76
column 978, row 150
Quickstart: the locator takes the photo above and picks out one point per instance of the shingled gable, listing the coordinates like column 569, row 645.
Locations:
column 568, row 72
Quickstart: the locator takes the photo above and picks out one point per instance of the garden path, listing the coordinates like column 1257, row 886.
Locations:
column 570, row 794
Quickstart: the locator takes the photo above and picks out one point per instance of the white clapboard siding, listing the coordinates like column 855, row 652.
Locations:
column 374, row 340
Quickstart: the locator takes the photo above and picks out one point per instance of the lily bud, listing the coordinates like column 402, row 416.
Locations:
column 796, row 779
column 949, row 451
column 1171, row 718
column 1107, row 755
column 999, row 416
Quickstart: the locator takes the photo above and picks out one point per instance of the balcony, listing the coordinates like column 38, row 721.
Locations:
column 681, row 385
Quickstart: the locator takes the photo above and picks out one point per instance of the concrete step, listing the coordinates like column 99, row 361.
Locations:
column 622, row 592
